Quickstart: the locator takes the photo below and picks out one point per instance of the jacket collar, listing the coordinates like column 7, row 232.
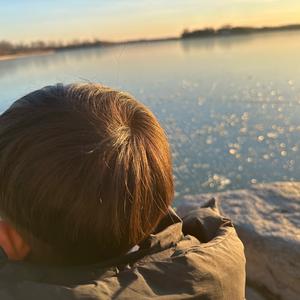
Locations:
column 167, row 233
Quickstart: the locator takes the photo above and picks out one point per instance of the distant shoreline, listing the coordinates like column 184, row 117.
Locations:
column 232, row 31
column 225, row 31
column 26, row 54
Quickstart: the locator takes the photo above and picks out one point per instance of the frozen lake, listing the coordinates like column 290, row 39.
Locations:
column 230, row 106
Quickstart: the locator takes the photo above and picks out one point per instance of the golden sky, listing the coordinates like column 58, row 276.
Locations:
column 130, row 19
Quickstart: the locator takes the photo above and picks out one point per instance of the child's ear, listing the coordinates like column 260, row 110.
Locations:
column 12, row 243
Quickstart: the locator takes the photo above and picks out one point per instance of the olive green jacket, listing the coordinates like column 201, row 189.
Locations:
column 197, row 257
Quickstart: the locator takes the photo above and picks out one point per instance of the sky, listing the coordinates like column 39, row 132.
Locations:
column 62, row 20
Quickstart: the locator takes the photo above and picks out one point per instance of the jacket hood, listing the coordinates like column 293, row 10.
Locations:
column 197, row 257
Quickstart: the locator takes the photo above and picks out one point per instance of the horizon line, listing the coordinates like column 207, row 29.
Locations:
column 95, row 39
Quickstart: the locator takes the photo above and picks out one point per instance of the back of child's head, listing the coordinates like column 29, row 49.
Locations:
column 85, row 172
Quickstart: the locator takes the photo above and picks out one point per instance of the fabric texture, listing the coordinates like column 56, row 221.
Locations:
column 197, row 257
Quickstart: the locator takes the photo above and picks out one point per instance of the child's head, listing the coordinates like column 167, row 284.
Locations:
column 85, row 172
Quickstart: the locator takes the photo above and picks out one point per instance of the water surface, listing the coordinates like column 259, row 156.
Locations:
column 230, row 105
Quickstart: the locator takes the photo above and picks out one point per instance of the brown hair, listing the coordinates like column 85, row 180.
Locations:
column 84, row 170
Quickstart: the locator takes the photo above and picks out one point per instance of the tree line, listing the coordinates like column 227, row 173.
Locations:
column 9, row 48
column 229, row 30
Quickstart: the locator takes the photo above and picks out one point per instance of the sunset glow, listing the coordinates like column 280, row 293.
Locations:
column 121, row 20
